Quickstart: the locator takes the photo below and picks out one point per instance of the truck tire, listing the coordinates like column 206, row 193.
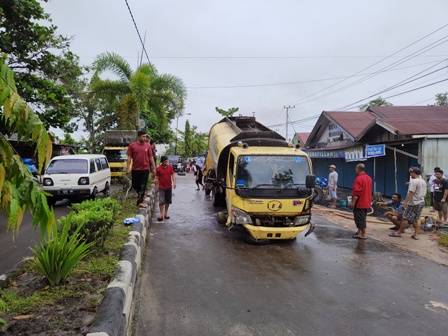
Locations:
column 318, row 196
column 222, row 217
column 218, row 199
column 207, row 192
column 247, row 237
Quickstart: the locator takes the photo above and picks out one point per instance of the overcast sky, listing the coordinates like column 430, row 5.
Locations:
column 263, row 55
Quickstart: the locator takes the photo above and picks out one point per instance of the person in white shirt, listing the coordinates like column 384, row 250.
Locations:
column 333, row 186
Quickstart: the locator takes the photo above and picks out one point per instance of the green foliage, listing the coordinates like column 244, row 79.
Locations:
column 18, row 191
column 227, row 113
column 60, row 253
column 95, row 216
column 197, row 142
column 442, row 99
column 375, row 102
column 3, row 308
column 144, row 92
column 45, row 70
column 443, row 240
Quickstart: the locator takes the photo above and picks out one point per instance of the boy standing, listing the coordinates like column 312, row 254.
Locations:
column 165, row 182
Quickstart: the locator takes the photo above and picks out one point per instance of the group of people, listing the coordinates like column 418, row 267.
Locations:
column 402, row 214
column 142, row 158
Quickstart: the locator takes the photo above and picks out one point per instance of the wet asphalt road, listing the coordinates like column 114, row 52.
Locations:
column 12, row 251
column 199, row 279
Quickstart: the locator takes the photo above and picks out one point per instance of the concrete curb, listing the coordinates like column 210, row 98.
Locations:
column 115, row 312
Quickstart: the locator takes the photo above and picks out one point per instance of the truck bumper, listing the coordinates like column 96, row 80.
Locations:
column 263, row 232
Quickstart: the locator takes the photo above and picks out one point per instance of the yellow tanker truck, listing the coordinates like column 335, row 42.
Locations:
column 265, row 183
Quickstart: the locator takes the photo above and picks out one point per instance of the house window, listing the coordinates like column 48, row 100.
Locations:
column 332, row 127
column 334, row 134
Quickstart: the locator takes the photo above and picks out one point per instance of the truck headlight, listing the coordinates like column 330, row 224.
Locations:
column 301, row 220
column 240, row 217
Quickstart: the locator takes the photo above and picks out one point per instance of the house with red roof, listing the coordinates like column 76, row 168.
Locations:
column 387, row 139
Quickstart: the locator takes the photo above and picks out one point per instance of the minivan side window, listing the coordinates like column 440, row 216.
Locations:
column 92, row 166
column 104, row 164
column 98, row 164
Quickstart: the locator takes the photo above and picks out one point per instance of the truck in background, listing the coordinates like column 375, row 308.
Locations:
column 116, row 144
column 265, row 183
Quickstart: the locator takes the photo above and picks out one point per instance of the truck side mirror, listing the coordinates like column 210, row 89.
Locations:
column 310, row 181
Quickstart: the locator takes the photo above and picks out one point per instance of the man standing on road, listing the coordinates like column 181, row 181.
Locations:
column 396, row 213
column 140, row 155
column 361, row 200
column 333, row 186
column 165, row 182
column 440, row 196
column 413, row 203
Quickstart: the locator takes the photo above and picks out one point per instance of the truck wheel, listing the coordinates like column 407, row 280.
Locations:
column 207, row 192
column 247, row 237
column 218, row 199
column 318, row 196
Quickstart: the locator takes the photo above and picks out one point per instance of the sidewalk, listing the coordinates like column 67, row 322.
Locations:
column 378, row 228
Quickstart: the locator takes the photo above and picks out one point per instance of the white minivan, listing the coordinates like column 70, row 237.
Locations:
column 78, row 176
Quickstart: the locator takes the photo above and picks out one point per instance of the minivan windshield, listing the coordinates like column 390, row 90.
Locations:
column 271, row 171
column 68, row 166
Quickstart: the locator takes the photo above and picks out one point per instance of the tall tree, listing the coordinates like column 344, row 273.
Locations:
column 18, row 191
column 442, row 99
column 155, row 97
column 46, row 71
column 188, row 136
column 375, row 102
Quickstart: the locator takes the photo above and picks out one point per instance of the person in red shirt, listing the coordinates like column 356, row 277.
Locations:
column 361, row 200
column 140, row 154
column 165, row 182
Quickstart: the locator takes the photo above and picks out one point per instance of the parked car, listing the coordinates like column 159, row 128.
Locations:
column 176, row 162
column 76, row 177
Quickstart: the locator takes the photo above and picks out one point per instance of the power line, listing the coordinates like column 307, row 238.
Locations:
column 370, row 66
column 139, row 36
column 298, row 82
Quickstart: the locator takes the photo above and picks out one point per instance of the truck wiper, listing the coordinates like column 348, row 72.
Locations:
column 260, row 185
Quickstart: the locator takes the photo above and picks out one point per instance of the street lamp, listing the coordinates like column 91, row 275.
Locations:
column 177, row 125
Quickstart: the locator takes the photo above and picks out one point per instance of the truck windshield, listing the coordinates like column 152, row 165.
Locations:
column 68, row 166
column 271, row 171
column 115, row 155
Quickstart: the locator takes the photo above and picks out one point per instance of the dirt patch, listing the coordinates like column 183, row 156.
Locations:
column 378, row 228
column 68, row 316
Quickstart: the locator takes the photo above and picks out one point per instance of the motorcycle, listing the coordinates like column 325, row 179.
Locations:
column 320, row 190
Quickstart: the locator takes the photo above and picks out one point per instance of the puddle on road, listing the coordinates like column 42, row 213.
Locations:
column 344, row 238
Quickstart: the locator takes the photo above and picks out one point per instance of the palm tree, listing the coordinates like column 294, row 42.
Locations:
column 143, row 92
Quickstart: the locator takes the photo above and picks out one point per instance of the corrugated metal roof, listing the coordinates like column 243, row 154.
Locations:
column 303, row 136
column 352, row 122
column 414, row 120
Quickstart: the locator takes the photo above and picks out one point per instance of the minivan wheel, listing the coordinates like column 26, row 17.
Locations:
column 106, row 191
column 94, row 194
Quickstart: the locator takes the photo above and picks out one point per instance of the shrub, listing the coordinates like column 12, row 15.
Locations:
column 59, row 253
column 98, row 204
column 3, row 308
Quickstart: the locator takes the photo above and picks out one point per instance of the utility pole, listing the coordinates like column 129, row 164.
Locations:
column 287, row 108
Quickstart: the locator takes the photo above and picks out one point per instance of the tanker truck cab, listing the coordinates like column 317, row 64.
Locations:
column 267, row 190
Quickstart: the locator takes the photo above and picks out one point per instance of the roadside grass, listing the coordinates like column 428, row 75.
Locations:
column 27, row 291
column 443, row 240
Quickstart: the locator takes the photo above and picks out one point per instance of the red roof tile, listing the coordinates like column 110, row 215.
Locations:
column 303, row 136
column 414, row 120
column 352, row 122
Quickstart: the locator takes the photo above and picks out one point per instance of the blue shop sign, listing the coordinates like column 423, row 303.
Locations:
column 375, row 150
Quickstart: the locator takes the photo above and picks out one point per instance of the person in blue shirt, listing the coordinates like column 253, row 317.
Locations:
column 395, row 215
